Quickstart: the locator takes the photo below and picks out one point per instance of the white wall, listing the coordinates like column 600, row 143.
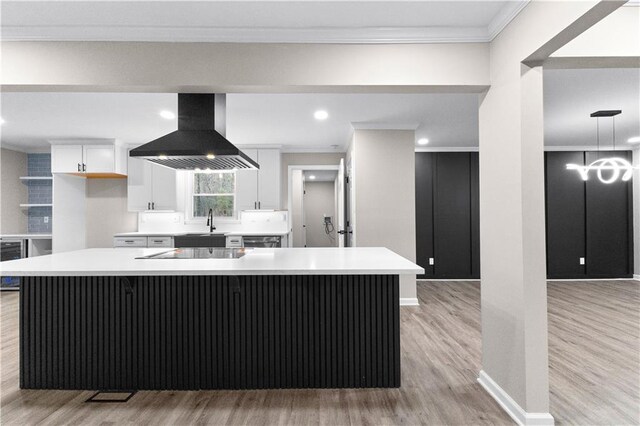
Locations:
column 13, row 219
column 106, row 209
column 242, row 67
column 319, row 200
column 69, row 213
column 636, row 214
column 383, row 174
column 297, row 209
column 512, row 221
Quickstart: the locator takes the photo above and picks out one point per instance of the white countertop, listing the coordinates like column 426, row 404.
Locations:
column 225, row 233
column 259, row 261
column 28, row 236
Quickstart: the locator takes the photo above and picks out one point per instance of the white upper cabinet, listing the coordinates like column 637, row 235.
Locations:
column 66, row 158
column 88, row 159
column 151, row 186
column 259, row 189
column 269, row 179
column 247, row 185
column 99, row 158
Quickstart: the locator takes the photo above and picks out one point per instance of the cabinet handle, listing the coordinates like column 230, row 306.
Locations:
column 148, row 206
column 258, row 205
column 153, row 206
column 255, row 205
column 78, row 166
column 84, row 167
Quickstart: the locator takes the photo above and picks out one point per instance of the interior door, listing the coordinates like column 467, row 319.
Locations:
column 341, row 204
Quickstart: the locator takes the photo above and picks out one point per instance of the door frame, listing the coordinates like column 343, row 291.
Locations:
column 290, row 189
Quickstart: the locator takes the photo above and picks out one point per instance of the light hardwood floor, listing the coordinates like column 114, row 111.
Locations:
column 594, row 361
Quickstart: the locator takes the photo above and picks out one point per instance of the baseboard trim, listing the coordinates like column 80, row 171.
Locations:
column 409, row 301
column 511, row 407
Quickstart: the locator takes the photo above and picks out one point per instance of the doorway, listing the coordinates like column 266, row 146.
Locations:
column 317, row 206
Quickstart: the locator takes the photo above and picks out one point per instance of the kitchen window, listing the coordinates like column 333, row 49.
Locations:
column 213, row 190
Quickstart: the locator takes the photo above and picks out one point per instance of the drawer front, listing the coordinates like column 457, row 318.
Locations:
column 234, row 242
column 130, row 242
column 160, row 242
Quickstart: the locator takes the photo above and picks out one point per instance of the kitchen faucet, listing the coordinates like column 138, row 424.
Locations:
column 210, row 221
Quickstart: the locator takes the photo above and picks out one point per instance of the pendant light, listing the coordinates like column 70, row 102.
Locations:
column 608, row 169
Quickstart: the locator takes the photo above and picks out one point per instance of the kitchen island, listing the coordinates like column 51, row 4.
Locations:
column 104, row 319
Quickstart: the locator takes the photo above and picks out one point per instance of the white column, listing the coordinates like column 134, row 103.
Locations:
column 383, row 176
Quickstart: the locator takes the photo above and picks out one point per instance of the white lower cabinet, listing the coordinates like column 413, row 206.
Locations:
column 143, row 242
column 130, row 241
column 159, row 241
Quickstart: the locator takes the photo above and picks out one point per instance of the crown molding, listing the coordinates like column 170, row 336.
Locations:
column 378, row 35
column 509, row 11
column 447, row 149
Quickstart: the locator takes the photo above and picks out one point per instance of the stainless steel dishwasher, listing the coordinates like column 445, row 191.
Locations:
column 255, row 241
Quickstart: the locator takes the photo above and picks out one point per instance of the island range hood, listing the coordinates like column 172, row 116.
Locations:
column 199, row 143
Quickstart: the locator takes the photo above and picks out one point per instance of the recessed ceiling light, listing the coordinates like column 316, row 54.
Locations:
column 321, row 115
column 167, row 115
column 423, row 141
column 635, row 139
column 312, row 177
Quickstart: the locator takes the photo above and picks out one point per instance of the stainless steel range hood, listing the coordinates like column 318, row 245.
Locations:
column 200, row 142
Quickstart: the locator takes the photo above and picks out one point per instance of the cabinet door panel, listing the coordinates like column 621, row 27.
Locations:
column 247, row 185
column 608, row 224
column 424, row 211
column 66, row 158
column 452, row 215
column 139, row 179
column 475, row 214
column 565, row 207
column 269, row 179
column 99, row 158
column 164, row 191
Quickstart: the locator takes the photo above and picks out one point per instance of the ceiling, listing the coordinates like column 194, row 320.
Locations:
column 320, row 175
column 571, row 95
column 259, row 21
column 286, row 120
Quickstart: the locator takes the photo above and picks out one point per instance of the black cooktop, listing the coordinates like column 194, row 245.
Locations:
column 198, row 253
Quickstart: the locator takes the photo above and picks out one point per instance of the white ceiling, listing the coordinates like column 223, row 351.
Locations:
column 570, row 96
column 320, row 175
column 286, row 120
column 258, row 21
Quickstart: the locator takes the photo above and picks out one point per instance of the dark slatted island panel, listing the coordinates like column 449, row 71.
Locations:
column 210, row 332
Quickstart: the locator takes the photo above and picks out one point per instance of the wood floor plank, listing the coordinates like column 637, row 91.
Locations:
column 594, row 347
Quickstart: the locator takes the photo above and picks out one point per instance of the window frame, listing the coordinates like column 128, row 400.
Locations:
column 190, row 196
